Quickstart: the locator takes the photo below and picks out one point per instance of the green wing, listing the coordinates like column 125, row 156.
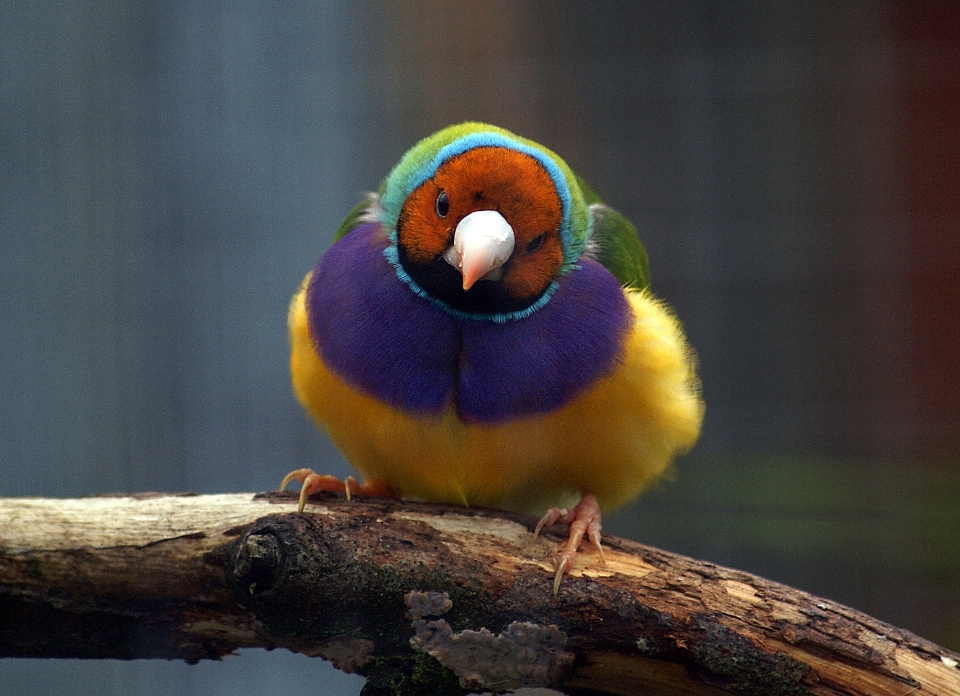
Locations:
column 350, row 222
column 618, row 247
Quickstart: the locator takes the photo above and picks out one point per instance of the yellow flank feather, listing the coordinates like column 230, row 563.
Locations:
column 613, row 440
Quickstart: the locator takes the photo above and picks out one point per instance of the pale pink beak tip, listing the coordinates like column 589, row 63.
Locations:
column 471, row 274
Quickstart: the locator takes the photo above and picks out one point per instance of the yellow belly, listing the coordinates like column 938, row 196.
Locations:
column 613, row 440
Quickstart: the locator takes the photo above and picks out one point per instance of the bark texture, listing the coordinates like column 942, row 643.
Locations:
column 428, row 599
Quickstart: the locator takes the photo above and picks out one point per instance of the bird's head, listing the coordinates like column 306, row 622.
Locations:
column 483, row 222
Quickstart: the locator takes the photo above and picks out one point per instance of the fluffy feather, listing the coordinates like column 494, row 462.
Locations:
column 614, row 439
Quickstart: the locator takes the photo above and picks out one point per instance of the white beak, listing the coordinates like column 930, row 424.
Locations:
column 482, row 243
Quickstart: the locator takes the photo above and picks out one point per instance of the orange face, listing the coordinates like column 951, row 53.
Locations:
column 489, row 178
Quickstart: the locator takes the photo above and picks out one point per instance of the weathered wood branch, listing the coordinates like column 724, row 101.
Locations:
column 425, row 599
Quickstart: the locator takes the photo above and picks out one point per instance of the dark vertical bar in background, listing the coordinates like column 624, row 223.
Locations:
column 928, row 40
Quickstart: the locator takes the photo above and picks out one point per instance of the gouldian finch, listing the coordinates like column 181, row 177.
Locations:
column 482, row 333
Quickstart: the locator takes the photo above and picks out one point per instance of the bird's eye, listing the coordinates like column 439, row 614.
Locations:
column 442, row 205
column 536, row 243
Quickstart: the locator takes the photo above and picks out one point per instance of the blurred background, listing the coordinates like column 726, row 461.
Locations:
column 170, row 170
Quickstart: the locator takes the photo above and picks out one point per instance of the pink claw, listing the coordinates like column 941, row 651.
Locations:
column 314, row 482
column 584, row 519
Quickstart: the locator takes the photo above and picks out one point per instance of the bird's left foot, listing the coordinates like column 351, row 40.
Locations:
column 314, row 483
column 584, row 520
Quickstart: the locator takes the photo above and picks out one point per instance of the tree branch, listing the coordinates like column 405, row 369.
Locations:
column 425, row 598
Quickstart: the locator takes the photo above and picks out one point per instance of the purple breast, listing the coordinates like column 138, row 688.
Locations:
column 373, row 331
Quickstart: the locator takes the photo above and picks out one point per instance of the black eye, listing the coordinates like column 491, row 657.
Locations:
column 536, row 243
column 443, row 205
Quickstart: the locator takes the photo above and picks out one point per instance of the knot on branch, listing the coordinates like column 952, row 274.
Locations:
column 257, row 562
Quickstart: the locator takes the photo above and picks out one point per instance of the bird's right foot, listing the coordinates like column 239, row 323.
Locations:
column 314, row 483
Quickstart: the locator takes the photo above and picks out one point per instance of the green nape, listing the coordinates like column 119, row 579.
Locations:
column 619, row 247
column 589, row 195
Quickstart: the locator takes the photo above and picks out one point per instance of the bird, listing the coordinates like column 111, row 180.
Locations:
column 482, row 333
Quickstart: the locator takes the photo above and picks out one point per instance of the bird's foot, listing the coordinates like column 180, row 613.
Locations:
column 584, row 520
column 314, row 483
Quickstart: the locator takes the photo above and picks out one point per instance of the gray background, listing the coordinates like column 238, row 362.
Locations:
column 169, row 171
